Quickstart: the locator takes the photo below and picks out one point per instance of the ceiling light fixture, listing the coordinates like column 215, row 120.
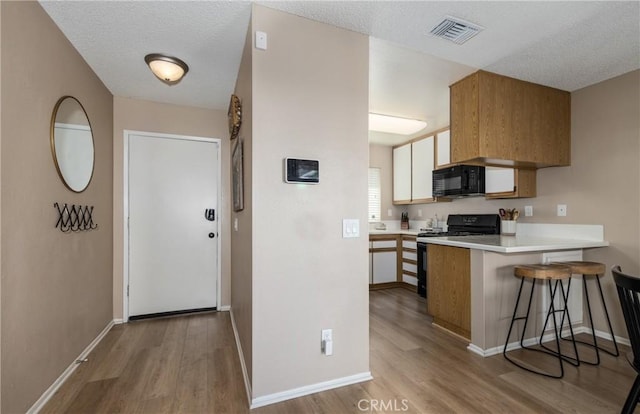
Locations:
column 394, row 124
column 168, row 69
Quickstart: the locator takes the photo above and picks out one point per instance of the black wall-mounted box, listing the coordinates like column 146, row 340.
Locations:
column 297, row 170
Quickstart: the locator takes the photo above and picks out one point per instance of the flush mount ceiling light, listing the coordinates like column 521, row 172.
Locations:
column 168, row 69
column 394, row 124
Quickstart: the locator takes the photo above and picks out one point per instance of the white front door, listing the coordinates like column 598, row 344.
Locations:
column 173, row 243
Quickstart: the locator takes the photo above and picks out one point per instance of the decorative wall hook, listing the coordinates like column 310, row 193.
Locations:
column 75, row 218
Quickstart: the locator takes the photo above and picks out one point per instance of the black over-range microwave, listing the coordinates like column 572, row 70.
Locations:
column 458, row 181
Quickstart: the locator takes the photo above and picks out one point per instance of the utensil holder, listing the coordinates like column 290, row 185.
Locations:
column 508, row 227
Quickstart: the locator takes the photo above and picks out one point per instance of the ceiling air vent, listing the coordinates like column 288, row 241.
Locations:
column 456, row 30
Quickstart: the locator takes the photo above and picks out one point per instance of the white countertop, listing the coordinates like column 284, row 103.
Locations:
column 514, row 244
column 410, row 232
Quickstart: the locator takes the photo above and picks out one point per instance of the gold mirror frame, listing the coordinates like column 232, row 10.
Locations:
column 71, row 156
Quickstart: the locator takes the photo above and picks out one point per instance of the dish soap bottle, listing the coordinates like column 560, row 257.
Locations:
column 434, row 222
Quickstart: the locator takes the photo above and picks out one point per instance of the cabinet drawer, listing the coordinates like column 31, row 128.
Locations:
column 410, row 255
column 408, row 244
column 410, row 267
column 410, row 279
column 381, row 244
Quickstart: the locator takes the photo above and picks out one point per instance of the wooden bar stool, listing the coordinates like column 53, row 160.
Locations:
column 551, row 273
column 597, row 270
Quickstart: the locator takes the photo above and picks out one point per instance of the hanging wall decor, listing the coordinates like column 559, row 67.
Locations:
column 235, row 116
column 237, row 176
column 74, row 218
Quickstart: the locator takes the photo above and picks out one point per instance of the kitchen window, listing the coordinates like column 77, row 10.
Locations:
column 375, row 206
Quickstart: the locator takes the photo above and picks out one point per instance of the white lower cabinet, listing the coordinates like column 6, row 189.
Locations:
column 383, row 259
column 384, row 267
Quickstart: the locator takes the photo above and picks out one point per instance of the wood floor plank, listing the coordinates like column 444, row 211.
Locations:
column 190, row 364
column 556, row 392
column 91, row 396
column 64, row 396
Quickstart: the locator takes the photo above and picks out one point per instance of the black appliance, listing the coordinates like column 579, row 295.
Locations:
column 457, row 225
column 458, row 181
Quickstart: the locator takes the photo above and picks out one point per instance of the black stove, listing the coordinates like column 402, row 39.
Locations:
column 467, row 225
column 458, row 225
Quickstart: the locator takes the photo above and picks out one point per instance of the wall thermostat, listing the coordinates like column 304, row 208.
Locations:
column 297, row 170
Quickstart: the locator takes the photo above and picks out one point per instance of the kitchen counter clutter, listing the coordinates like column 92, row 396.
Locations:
column 394, row 227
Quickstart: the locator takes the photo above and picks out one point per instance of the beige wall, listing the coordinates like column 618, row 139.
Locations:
column 146, row 116
column 381, row 156
column 310, row 100
column 241, row 241
column 0, row 210
column 601, row 186
column 56, row 287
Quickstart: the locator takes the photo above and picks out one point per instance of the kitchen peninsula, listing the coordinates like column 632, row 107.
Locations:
column 470, row 283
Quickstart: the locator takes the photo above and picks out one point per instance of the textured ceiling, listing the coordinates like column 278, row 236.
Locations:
column 567, row 45
column 114, row 36
column 563, row 44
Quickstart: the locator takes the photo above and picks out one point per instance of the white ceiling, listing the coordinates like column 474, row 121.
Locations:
column 567, row 45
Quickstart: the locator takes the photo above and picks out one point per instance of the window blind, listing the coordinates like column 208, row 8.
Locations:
column 375, row 204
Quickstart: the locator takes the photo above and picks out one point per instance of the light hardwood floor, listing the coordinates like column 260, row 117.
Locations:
column 189, row 364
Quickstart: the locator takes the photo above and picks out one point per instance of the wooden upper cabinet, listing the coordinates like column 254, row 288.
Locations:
column 504, row 121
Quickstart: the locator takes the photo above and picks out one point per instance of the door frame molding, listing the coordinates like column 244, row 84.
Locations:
column 125, row 262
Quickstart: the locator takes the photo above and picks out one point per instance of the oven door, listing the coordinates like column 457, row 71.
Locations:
column 422, row 269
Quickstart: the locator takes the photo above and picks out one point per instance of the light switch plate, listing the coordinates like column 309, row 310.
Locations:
column 528, row 211
column 350, row 228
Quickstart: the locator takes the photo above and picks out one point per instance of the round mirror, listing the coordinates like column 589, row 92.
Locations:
column 72, row 143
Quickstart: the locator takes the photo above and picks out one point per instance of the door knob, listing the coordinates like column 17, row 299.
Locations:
column 212, row 235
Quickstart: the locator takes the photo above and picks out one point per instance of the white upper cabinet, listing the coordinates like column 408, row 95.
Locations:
column 499, row 180
column 503, row 182
column 422, row 165
column 413, row 165
column 402, row 174
column 444, row 148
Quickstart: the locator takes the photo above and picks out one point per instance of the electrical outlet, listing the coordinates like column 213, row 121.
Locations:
column 327, row 342
column 419, row 213
column 261, row 40
column 390, row 213
column 562, row 210
column 528, row 211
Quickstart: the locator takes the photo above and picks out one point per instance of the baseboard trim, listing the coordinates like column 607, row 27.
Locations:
column 546, row 338
column 118, row 321
column 46, row 396
column 224, row 308
column 309, row 389
column 608, row 337
column 245, row 375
